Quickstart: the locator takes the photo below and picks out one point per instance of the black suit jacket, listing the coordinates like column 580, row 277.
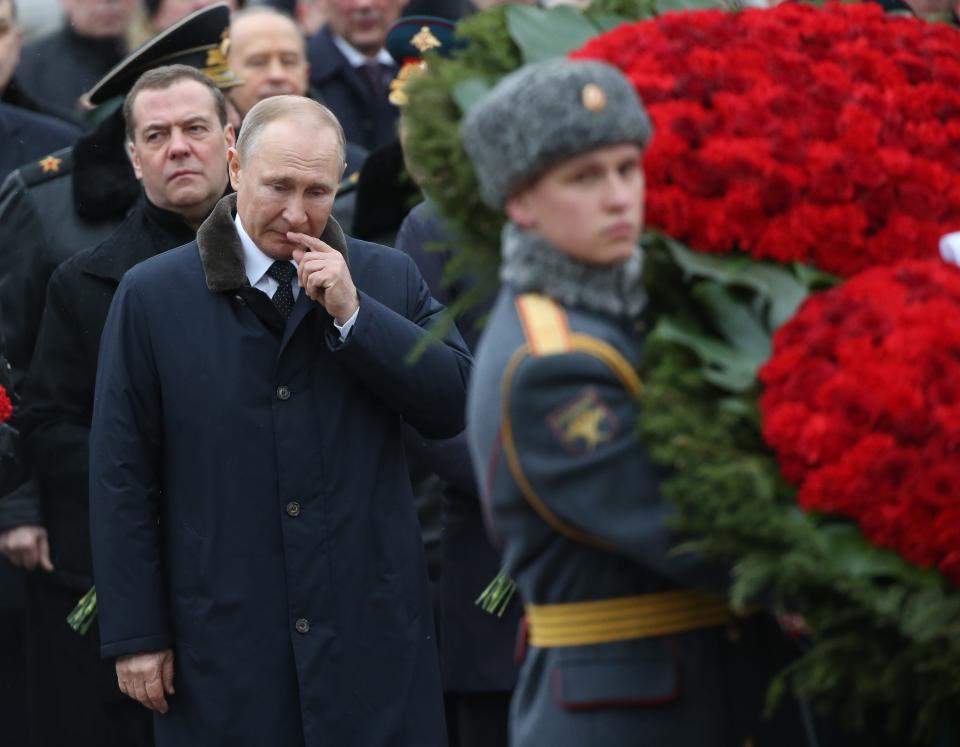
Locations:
column 366, row 120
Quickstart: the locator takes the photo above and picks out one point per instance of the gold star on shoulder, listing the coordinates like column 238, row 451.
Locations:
column 51, row 164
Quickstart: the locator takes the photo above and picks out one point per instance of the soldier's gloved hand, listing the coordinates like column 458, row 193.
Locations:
column 27, row 547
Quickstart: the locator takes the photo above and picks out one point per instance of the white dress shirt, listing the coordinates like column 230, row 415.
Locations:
column 357, row 58
column 256, row 264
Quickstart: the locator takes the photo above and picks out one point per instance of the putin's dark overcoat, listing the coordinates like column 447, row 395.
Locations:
column 250, row 501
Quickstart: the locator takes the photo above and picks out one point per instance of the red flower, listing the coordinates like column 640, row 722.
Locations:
column 840, row 124
column 6, row 406
column 862, row 408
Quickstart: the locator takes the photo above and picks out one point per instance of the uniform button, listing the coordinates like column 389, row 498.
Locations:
column 302, row 625
column 283, row 393
column 293, row 509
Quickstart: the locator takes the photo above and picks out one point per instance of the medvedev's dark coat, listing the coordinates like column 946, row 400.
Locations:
column 250, row 502
column 367, row 121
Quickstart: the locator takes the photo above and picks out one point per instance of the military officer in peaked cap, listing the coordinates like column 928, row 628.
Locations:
column 629, row 642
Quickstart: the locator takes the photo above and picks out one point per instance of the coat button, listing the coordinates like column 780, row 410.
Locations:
column 302, row 625
column 293, row 509
column 283, row 393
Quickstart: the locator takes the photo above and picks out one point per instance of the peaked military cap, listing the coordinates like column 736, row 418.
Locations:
column 409, row 39
column 545, row 113
column 200, row 40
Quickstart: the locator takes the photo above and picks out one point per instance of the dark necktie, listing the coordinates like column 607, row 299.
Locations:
column 283, row 273
column 374, row 76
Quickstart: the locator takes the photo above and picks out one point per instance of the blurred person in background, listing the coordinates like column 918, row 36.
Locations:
column 268, row 54
column 57, row 68
column 25, row 135
column 351, row 69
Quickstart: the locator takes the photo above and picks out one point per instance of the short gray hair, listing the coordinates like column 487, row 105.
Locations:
column 287, row 107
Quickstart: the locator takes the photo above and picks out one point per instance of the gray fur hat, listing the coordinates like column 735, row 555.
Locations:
column 544, row 113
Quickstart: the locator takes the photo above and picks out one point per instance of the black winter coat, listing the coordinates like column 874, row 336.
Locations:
column 58, row 391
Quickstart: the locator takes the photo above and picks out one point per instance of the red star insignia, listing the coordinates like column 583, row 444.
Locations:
column 50, row 163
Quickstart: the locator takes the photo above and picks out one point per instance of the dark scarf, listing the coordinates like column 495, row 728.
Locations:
column 532, row 264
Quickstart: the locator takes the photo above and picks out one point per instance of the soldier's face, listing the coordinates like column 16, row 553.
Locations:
column 100, row 18
column 180, row 148
column 589, row 206
column 363, row 23
column 287, row 181
column 9, row 43
column 267, row 54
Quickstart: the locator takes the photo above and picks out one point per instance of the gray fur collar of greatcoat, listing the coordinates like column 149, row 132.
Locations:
column 533, row 264
column 221, row 252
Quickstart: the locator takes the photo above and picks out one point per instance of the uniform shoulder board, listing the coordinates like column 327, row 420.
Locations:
column 58, row 163
column 545, row 324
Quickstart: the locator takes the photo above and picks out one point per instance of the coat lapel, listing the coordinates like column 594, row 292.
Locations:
column 221, row 255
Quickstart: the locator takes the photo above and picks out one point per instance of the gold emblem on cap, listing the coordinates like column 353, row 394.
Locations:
column 593, row 98
column 424, row 40
column 216, row 67
column 51, row 164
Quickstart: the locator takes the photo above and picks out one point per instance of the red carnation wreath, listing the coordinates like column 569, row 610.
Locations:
column 829, row 136
column 862, row 406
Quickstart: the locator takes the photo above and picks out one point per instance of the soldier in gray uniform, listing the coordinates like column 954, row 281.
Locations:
column 629, row 642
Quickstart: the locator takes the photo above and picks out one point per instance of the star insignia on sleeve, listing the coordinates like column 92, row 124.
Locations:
column 584, row 423
column 51, row 164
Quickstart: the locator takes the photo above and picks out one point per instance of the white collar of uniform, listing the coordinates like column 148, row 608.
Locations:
column 357, row 58
column 255, row 262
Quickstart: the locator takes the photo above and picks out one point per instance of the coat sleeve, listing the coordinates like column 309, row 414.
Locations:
column 23, row 273
column 570, row 441
column 425, row 383
column 125, row 454
column 56, row 418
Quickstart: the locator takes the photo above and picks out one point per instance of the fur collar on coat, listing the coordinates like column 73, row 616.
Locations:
column 532, row 264
column 221, row 252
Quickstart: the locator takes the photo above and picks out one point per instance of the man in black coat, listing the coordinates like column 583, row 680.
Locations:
column 259, row 569
column 351, row 70
column 176, row 120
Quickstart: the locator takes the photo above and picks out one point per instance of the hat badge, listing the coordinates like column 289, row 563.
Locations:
column 593, row 98
column 424, row 40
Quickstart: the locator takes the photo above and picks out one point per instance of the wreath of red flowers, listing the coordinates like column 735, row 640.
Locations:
column 829, row 136
column 862, row 407
column 6, row 406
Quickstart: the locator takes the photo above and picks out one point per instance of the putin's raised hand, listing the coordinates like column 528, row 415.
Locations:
column 325, row 277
